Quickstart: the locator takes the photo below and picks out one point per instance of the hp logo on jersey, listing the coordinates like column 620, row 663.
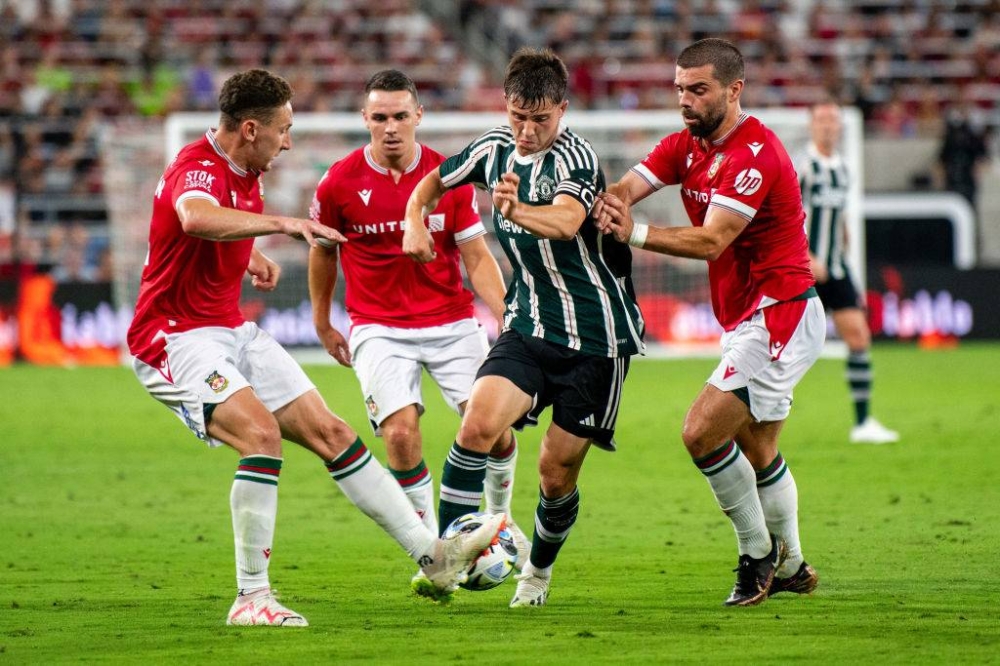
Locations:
column 748, row 181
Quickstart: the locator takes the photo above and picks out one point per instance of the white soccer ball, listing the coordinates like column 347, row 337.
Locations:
column 495, row 564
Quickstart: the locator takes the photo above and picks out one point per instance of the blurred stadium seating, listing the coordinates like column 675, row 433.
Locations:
column 71, row 70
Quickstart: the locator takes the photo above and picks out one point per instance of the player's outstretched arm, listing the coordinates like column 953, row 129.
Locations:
column 204, row 219
column 418, row 244
column 322, row 280
column 559, row 220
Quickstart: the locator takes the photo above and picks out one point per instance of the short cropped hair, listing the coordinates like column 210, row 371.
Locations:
column 535, row 77
column 725, row 58
column 391, row 80
column 256, row 94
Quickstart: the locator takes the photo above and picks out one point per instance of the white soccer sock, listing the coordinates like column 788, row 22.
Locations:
column 253, row 501
column 372, row 489
column 732, row 479
column 779, row 499
column 499, row 483
column 422, row 499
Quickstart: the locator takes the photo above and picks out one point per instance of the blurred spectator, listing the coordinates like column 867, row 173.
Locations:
column 962, row 154
column 74, row 267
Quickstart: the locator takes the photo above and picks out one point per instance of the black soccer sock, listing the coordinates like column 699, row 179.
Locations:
column 859, row 379
column 461, row 484
column 554, row 518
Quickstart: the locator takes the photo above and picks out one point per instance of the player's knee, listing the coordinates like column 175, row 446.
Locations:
column 263, row 438
column 477, row 435
column 332, row 437
column 698, row 438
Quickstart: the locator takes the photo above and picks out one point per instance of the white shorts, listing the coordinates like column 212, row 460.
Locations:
column 769, row 353
column 205, row 366
column 388, row 362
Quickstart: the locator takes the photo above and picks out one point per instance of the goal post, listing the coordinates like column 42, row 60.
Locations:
column 673, row 292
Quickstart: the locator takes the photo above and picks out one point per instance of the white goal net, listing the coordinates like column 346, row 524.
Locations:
column 673, row 292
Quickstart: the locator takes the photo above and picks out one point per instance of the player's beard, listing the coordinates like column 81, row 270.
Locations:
column 707, row 122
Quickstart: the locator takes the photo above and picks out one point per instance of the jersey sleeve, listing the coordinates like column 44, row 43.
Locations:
column 661, row 166
column 469, row 166
column 745, row 181
column 465, row 212
column 583, row 174
column 197, row 180
column 324, row 208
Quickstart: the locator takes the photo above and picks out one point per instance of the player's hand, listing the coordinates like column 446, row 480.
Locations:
column 505, row 195
column 615, row 217
column 335, row 345
column 314, row 233
column 264, row 273
column 418, row 244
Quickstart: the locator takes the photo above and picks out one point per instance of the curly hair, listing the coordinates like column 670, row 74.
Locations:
column 256, row 94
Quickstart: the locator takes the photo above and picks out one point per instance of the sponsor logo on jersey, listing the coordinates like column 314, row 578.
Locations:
column 198, row 179
column 365, row 195
column 755, row 148
column 716, row 163
column 435, row 223
column 748, row 182
column 700, row 197
column 217, row 382
column 508, row 226
column 545, row 189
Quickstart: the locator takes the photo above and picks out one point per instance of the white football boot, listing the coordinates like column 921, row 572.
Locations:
column 870, row 431
column 262, row 608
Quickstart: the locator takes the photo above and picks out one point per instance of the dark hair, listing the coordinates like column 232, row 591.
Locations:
column 256, row 94
column 534, row 77
column 391, row 80
column 725, row 59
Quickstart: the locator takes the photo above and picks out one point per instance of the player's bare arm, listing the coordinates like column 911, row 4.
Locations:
column 559, row 220
column 418, row 244
column 322, row 280
column 264, row 273
column 706, row 242
column 484, row 274
column 204, row 219
column 630, row 189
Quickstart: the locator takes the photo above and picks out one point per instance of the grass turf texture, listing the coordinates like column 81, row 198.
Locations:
column 118, row 546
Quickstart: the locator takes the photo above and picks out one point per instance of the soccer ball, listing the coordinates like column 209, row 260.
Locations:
column 495, row 564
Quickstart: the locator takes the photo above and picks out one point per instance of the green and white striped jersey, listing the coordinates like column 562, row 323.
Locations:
column 578, row 292
column 824, row 183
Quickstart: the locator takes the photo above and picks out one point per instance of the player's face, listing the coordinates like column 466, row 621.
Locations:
column 704, row 100
column 825, row 125
column 271, row 138
column 392, row 118
column 535, row 128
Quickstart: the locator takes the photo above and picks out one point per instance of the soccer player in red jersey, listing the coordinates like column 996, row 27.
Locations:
column 741, row 193
column 406, row 316
column 230, row 382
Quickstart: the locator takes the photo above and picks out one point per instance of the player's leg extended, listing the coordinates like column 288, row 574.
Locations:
column 404, row 451
column 709, row 428
column 494, row 405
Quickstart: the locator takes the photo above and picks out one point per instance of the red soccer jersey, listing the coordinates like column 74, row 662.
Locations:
column 359, row 198
column 747, row 172
column 190, row 282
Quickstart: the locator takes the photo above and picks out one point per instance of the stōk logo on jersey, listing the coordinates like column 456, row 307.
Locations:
column 217, row 382
column 201, row 180
column 371, row 405
column 716, row 163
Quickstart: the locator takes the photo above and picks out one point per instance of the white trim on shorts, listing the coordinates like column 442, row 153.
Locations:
column 747, row 361
column 208, row 365
column 388, row 362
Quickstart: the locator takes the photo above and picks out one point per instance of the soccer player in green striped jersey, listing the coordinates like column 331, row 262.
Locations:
column 824, row 181
column 571, row 320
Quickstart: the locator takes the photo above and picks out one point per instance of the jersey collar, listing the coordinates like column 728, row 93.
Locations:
column 739, row 121
column 385, row 172
column 239, row 171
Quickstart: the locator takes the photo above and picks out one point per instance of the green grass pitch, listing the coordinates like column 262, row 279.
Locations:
column 117, row 540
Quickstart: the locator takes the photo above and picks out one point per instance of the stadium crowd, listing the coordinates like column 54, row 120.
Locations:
column 70, row 69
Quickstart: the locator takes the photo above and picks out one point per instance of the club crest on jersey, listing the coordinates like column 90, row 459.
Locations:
column 217, row 382
column 716, row 163
column 372, row 406
column 545, row 189
column 748, row 182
